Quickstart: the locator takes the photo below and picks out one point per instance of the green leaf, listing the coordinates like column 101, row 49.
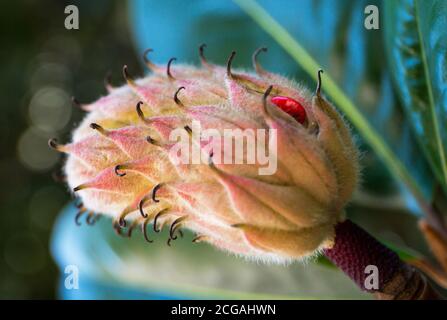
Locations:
column 360, row 120
column 399, row 233
column 405, row 254
column 416, row 42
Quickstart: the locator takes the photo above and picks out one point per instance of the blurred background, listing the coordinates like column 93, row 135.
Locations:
column 43, row 65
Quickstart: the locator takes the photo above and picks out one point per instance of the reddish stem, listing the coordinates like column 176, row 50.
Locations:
column 355, row 249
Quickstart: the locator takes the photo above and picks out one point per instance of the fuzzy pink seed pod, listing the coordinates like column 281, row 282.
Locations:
column 120, row 161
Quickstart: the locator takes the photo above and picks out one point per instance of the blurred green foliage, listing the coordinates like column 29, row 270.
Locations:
column 416, row 43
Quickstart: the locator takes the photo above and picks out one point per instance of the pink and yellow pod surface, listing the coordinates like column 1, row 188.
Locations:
column 120, row 161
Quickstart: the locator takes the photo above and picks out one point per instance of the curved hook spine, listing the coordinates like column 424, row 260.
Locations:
column 176, row 99
column 229, row 63
column 168, row 68
column 259, row 70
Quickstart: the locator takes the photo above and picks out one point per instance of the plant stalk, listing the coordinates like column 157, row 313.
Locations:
column 361, row 257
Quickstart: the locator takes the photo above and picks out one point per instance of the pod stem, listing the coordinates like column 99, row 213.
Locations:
column 375, row 268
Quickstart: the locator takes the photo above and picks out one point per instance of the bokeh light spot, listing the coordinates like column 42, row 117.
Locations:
column 33, row 150
column 50, row 109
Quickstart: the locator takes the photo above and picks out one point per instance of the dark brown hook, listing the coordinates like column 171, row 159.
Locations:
column 162, row 212
column 168, row 68
column 176, row 99
column 126, row 75
column 265, row 96
column 254, row 59
column 151, row 140
column 131, row 228
column 229, row 62
column 202, row 55
column 155, row 222
column 172, row 228
column 198, row 238
column 52, row 143
column 140, row 207
column 122, row 222
column 119, row 167
column 78, row 216
column 320, row 71
column 144, row 230
column 149, row 63
column 188, row 129
column 154, row 192
column 98, row 128
column 140, row 112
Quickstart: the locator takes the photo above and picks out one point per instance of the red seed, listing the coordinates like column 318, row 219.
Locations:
column 290, row 106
